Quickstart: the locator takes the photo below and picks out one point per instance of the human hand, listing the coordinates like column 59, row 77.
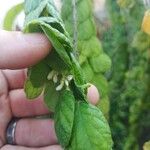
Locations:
column 19, row 51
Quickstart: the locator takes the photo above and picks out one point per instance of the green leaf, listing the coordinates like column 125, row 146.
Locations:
column 11, row 16
column 83, row 9
column 141, row 41
column 90, row 131
column 90, row 47
column 77, row 124
column 31, row 91
column 54, row 61
column 38, row 74
column 77, row 72
column 100, row 63
column 54, row 36
column 104, row 106
column 31, row 5
column 33, row 9
column 59, row 41
column 89, row 26
column 101, row 83
column 51, row 96
column 64, row 117
column 87, row 71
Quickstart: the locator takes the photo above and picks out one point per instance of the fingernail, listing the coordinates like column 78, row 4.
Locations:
column 93, row 95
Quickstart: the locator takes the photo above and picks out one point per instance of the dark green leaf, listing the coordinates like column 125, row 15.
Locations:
column 64, row 117
column 54, row 36
column 55, row 62
column 51, row 96
column 38, row 74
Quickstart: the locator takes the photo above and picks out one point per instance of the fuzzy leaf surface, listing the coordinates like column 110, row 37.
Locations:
column 64, row 117
column 91, row 130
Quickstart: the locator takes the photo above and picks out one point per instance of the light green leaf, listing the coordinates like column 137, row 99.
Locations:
column 91, row 47
column 11, row 16
column 100, row 63
column 40, row 8
column 89, row 26
column 31, row 5
column 91, row 130
column 104, row 106
column 64, row 117
column 87, row 71
column 31, row 91
column 33, row 9
column 101, row 83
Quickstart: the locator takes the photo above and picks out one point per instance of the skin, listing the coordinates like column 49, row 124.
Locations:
column 17, row 52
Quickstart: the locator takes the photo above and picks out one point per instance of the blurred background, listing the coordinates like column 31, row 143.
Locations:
column 7, row 4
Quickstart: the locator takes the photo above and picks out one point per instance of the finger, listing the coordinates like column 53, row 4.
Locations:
column 10, row 147
column 22, row 107
column 93, row 95
column 35, row 132
column 15, row 78
column 20, row 50
column 5, row 112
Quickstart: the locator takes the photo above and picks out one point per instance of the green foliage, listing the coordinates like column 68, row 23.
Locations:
column 11, row 16
column 102, row 63
column 51, row 96
column 141, row 41
column 88, row 127
column 64, row 117
column 39, row 73
column 65, row 88
column 94, row 62
column 137, row 92
column 128, row 48
column 31, row 91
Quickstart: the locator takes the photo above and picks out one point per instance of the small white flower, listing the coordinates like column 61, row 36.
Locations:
column 67, row 83
column 64, row 81
column 55, row 78
column 59, row 87
column 50, row 75
column 69, row 77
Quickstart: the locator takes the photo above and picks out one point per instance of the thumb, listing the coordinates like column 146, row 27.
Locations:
column 18, row 50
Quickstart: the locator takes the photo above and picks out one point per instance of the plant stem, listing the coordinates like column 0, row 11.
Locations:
column 75, row 30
